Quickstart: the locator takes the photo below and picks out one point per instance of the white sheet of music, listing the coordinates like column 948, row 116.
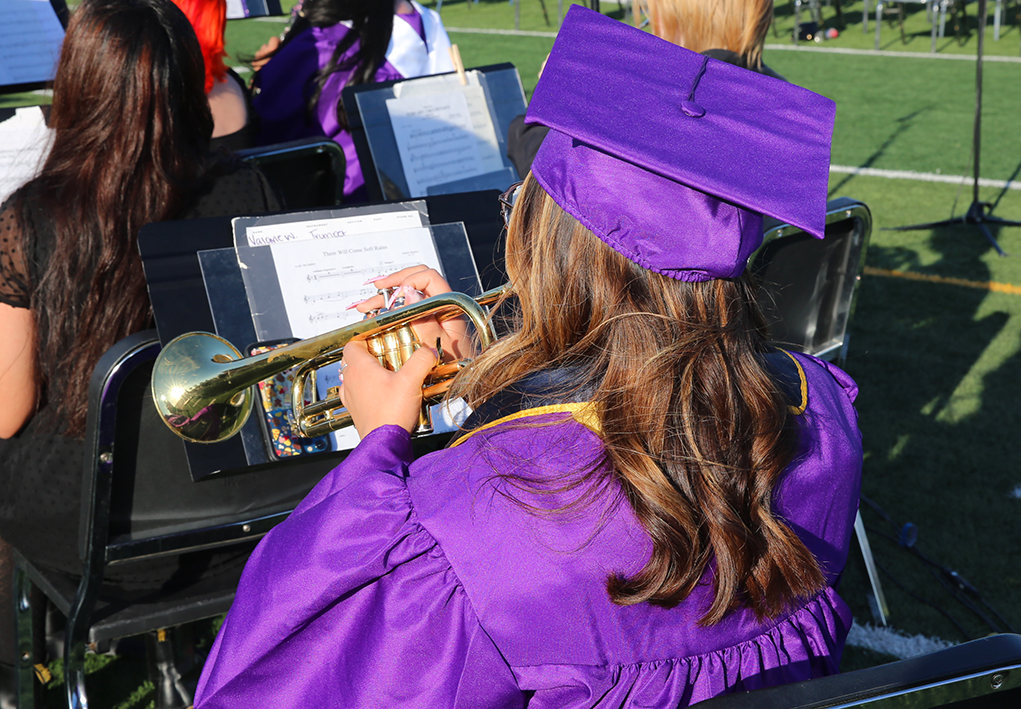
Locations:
column 30, row 41
column 478, row 111
column 435, row 138
column 24, row 143
column 319, row 279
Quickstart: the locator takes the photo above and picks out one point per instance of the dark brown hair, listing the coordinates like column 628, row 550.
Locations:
column 696, row 429
column 131, row 131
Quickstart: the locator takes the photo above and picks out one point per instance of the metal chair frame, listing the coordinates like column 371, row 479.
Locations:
column 99, row 548
column 985, row 674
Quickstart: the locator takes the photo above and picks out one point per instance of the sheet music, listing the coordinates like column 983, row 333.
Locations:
column 30, row 42
column 478, row 110
column 435, row 138
column 24, row 143
column 332, row 228
column 319, row 279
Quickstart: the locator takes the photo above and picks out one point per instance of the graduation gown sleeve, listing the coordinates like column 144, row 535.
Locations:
column 364, row 609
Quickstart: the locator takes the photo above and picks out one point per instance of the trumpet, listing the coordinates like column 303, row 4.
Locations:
column 202, row 386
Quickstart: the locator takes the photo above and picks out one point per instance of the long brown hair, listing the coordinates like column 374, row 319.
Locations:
column 739, row 26
column 696, row 429
column 131, row 131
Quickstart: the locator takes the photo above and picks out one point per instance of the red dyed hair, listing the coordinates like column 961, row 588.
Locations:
column 209, row 18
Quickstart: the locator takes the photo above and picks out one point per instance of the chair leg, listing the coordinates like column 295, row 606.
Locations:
column 29, row 612
column 159, row 654
column 880, row 612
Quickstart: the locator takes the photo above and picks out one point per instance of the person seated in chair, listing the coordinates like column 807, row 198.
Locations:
column 335, row 44
column 131, row 130
column 650, row 505
column 229, row 101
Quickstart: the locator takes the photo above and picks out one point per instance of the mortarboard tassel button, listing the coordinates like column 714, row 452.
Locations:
column 690, row 108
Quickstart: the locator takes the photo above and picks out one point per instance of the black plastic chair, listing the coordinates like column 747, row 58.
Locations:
column 808, row 292
column 139, row 502
column 306, row 173
column 809, row 285
column 985, row 674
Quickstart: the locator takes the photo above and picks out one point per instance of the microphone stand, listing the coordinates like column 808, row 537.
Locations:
column 977, row 214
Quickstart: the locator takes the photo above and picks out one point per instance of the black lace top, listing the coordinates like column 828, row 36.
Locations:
column 40, row 469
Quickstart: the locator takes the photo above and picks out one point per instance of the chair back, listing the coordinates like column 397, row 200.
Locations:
column 808, row 284
column 306, row 173
column 138, row 496
column 981, row 674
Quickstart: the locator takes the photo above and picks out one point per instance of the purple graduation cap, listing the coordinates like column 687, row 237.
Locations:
column 670, row 157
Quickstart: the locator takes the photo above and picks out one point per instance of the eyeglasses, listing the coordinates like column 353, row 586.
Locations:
column 507, row 200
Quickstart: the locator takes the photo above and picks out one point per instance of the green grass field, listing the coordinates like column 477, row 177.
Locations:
column 938, row 362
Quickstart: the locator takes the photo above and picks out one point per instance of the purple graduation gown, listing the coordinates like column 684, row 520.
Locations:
column 285, row 84
column 437, row 583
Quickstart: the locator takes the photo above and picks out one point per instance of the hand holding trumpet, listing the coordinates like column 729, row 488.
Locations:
column 376, row 396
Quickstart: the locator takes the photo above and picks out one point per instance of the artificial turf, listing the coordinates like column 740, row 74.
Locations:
column 936, row 361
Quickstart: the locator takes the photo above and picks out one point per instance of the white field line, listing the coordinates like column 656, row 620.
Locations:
column 922, row 176
column 891, row 641
column 278, row 18
column 514, row 33
column 888, row 53
column 778, row 47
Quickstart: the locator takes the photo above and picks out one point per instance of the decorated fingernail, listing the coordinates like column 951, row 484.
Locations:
column 356, row 304
column 393, row 297
column 373, row 280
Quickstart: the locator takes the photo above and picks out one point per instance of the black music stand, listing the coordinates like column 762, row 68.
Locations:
column 977, row 214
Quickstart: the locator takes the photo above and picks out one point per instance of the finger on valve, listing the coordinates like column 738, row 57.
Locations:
column 409, row 286
column 376, row 396
column 423, row 279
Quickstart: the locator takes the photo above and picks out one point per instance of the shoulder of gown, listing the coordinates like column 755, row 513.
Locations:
column 350, row 602
column 537, row 580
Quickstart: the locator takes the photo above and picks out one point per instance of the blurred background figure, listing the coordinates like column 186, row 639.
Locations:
column 132, row 127
column 339, row 43
column 228, row 96
column 733, row 31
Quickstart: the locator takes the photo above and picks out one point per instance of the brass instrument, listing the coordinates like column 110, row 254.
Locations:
column 201, row 384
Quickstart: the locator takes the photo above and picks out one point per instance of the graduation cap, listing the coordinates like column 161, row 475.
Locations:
column 671, row 157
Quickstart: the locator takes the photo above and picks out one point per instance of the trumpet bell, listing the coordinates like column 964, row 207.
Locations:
column 191, row 388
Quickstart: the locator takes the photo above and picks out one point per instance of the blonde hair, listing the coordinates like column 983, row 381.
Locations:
column 739, row 26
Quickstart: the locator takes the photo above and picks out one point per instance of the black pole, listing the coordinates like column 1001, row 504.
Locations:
column 978, row 213
column 978, row 97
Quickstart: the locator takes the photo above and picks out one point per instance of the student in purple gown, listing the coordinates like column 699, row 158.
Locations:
column 649, row 505
column 339, row 43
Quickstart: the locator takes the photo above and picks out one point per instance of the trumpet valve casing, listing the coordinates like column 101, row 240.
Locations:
column 392, row 348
